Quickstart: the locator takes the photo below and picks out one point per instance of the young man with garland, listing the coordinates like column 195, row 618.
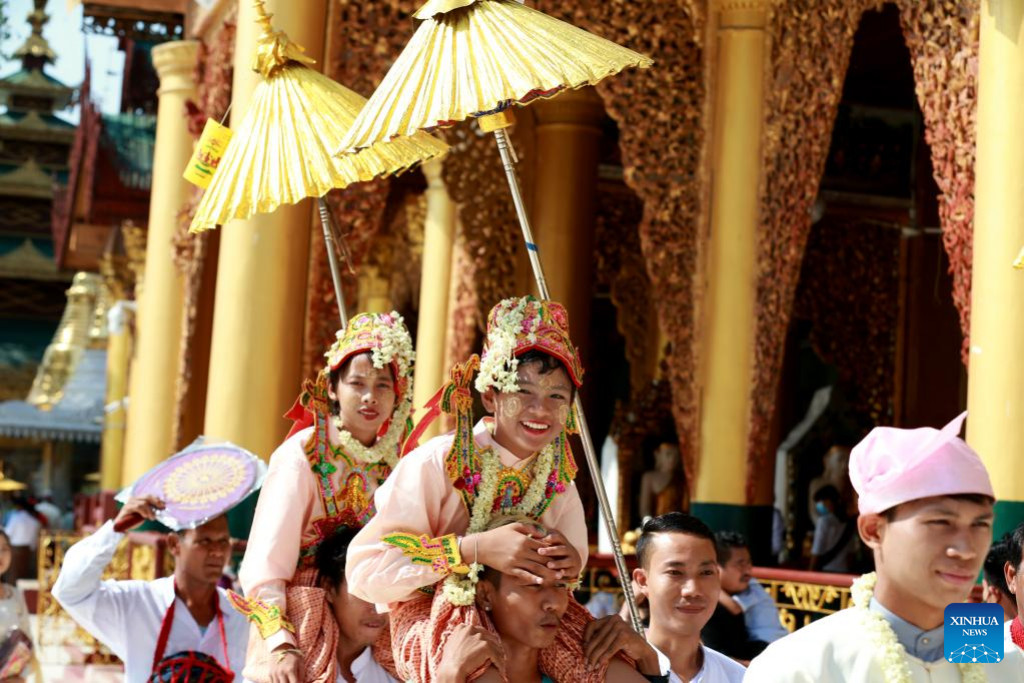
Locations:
column 926, row 513
column 1014, row 573
column 350, row 428
column 432, row 513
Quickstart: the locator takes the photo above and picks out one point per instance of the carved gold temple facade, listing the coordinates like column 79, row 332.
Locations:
column 678, row 213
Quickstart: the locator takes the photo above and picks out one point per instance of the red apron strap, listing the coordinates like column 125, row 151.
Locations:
column 168, row 621
column 165, row 631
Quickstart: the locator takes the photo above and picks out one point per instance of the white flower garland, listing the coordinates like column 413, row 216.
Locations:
column 461, row 589
column 895, row 668
column 499, row 365
column 385, row 449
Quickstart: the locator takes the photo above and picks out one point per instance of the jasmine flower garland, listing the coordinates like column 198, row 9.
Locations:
column 883, row 639
column 461, row 589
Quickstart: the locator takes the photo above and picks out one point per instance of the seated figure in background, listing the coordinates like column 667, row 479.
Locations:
column 660, row 487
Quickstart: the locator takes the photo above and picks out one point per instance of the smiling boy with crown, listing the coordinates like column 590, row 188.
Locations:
column 430, row 532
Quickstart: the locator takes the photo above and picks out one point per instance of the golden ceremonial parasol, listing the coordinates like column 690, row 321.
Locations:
column 475, row 59
column 281, row 152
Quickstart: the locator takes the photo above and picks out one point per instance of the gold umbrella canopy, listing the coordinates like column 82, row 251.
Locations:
column 472, row 57
column 281, row 152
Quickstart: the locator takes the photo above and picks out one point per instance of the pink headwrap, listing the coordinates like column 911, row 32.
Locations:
column 892, row 466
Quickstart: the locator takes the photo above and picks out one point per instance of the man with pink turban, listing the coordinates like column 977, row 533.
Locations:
column 926, row 513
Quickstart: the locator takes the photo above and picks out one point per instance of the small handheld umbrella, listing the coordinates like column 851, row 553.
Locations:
column 475, row 59
column 281, row 152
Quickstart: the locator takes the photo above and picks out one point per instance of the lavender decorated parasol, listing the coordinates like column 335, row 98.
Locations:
column 200, row 483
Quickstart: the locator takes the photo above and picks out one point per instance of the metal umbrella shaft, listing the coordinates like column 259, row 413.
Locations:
column 504, row 148
column 332, row 258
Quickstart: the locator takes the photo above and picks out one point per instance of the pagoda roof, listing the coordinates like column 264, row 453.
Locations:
column 77, row 416
column 27, row 180
column 35, row 121
column 34, row 78
column 30, row 259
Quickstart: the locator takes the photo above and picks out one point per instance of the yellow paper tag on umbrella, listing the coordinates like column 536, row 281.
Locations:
column 207, row 154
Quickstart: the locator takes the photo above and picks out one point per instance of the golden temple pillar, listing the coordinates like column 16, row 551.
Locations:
column 568, row 137
column 115, row 416
column 154, row 373
column 995, row 390
column 260, row 302
column 729, row 332
column 438, row 236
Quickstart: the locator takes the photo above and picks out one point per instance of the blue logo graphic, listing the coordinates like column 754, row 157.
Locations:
column 973, row 632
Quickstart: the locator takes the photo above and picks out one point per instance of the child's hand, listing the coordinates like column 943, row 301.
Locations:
column 513, row 550
column 561, row 556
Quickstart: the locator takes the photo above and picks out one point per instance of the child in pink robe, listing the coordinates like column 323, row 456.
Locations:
column 428, row 535
column 349, row 432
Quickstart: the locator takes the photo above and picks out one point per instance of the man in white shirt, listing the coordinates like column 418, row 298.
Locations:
column 145, row 622
column 359, row 624
column 22, row 528
column 925, row 504
column 679, row 578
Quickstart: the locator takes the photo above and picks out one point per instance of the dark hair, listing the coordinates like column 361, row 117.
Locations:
column 827, row 492
column 548, row 364
column 998, row 556
column 1015, row 547
column 726, row 542
column 337, row 373
column 330, row 557
column 976, row 498
column 671, row 523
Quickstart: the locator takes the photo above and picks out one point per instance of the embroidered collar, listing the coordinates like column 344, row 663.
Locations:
column 925, row 645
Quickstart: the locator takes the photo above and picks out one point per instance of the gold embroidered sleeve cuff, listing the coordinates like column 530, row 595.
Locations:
column 268, row 618
column 440, row 554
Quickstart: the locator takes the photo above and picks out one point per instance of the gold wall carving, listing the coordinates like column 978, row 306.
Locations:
column 943, row 41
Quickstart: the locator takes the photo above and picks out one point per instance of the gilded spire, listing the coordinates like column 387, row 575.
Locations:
column 274, row 49
column 35, row 52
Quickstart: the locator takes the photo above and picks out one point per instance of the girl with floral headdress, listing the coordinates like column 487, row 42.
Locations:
column 350, row 427
column 431, row 532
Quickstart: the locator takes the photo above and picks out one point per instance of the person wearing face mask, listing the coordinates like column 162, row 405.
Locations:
column 350, row 427
column 431, row 529
column 926, row 510
column 835, row 539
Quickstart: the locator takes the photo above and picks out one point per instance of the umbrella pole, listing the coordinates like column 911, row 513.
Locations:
column 332, row 258
column 505, row 149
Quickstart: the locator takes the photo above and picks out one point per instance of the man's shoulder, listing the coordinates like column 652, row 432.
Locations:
column 813, row 642
column 722, row 668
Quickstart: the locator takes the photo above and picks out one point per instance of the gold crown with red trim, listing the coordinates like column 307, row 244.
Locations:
column 518, row 325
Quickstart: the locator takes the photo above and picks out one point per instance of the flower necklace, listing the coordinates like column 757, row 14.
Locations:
column 461, row 589
column 385, row 449
column 894, row 664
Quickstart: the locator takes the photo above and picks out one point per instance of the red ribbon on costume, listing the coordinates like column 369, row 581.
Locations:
column 433, row 408
column 1017, row 632
column 300, row 417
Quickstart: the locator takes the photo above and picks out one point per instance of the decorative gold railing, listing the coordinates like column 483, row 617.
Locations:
column 140, row 556
column 801, row 597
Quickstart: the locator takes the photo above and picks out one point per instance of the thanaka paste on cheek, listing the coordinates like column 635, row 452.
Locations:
column 510, row 407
